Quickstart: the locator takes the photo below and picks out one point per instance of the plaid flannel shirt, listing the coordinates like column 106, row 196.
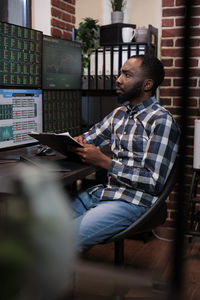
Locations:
column 144, row 142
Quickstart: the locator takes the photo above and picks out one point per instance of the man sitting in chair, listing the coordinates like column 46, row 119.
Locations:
column 143, row 137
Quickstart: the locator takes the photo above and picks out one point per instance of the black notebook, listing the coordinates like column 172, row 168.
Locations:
column 58, row 142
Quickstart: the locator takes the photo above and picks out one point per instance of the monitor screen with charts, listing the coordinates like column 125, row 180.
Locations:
column 61, row 64
column 21, row 57
column 20, row 113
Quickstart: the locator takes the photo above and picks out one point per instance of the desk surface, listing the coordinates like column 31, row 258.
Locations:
column 7, row 164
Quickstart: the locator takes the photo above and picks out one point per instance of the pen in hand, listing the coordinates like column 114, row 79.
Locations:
column 82, row 140
column 89, row 141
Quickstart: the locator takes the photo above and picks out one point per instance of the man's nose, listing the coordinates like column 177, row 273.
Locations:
column 118, row 80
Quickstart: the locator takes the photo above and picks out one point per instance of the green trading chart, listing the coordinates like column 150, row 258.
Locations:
column 20, row 56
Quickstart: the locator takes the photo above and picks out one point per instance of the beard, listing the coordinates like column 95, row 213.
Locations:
column 131, row 94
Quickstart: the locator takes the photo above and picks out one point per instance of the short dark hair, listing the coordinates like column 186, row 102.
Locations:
column 153, row 69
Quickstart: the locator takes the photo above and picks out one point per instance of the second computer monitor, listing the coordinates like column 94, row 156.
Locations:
column 20, row 113
column 61, row 64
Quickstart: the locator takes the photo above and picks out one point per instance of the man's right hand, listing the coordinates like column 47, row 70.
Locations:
column 81, row 140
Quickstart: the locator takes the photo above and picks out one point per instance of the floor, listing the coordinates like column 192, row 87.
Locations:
column 147, row 272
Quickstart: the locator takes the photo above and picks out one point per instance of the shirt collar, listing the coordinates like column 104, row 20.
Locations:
column 141, row 106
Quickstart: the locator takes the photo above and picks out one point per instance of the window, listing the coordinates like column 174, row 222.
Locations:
column 16, row 12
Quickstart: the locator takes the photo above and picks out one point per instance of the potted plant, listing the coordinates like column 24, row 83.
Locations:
column 117, row 14
column 88, row 35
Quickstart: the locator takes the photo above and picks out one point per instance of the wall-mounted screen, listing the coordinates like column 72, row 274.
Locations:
column 20, row 113
column 61, row 64
column 20, row 64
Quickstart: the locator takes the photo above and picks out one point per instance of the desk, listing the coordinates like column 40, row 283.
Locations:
column 79, row 170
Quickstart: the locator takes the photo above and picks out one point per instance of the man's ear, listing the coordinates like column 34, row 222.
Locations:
column 148, row 84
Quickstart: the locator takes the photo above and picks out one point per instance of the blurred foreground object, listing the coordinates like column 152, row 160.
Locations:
column 38, row 244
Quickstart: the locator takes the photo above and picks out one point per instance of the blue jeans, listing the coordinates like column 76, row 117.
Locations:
column 98, row 220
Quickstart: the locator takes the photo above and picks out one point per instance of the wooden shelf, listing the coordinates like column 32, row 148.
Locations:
column 106, row 61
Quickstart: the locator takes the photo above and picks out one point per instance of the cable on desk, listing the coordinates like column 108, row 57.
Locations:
column 8, row 160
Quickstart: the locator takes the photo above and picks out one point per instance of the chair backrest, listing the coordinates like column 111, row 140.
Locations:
column 157, row 213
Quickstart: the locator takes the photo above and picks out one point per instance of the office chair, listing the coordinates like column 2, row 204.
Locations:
column 154, row 217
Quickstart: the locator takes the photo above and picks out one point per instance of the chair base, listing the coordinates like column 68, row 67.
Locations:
column 119, row 246
column 119, row 252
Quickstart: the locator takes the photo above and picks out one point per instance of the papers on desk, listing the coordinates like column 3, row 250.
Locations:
column 58, row 142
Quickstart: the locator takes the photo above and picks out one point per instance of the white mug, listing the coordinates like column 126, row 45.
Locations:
column 128, row 34
column 141, row 34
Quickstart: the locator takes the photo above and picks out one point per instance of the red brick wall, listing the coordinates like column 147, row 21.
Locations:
column 171, row 55
column 62, row 18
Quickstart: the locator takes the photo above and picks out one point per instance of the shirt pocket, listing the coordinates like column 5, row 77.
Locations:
column 137, row 145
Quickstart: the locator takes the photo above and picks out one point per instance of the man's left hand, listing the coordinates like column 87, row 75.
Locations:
column 92, row 155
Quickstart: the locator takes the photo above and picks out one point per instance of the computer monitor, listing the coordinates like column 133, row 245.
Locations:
column 61, row 64
column 21, row 57
column 20, row 113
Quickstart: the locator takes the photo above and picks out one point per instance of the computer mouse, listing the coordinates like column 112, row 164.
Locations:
column 48, row 151
column 45, row 151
